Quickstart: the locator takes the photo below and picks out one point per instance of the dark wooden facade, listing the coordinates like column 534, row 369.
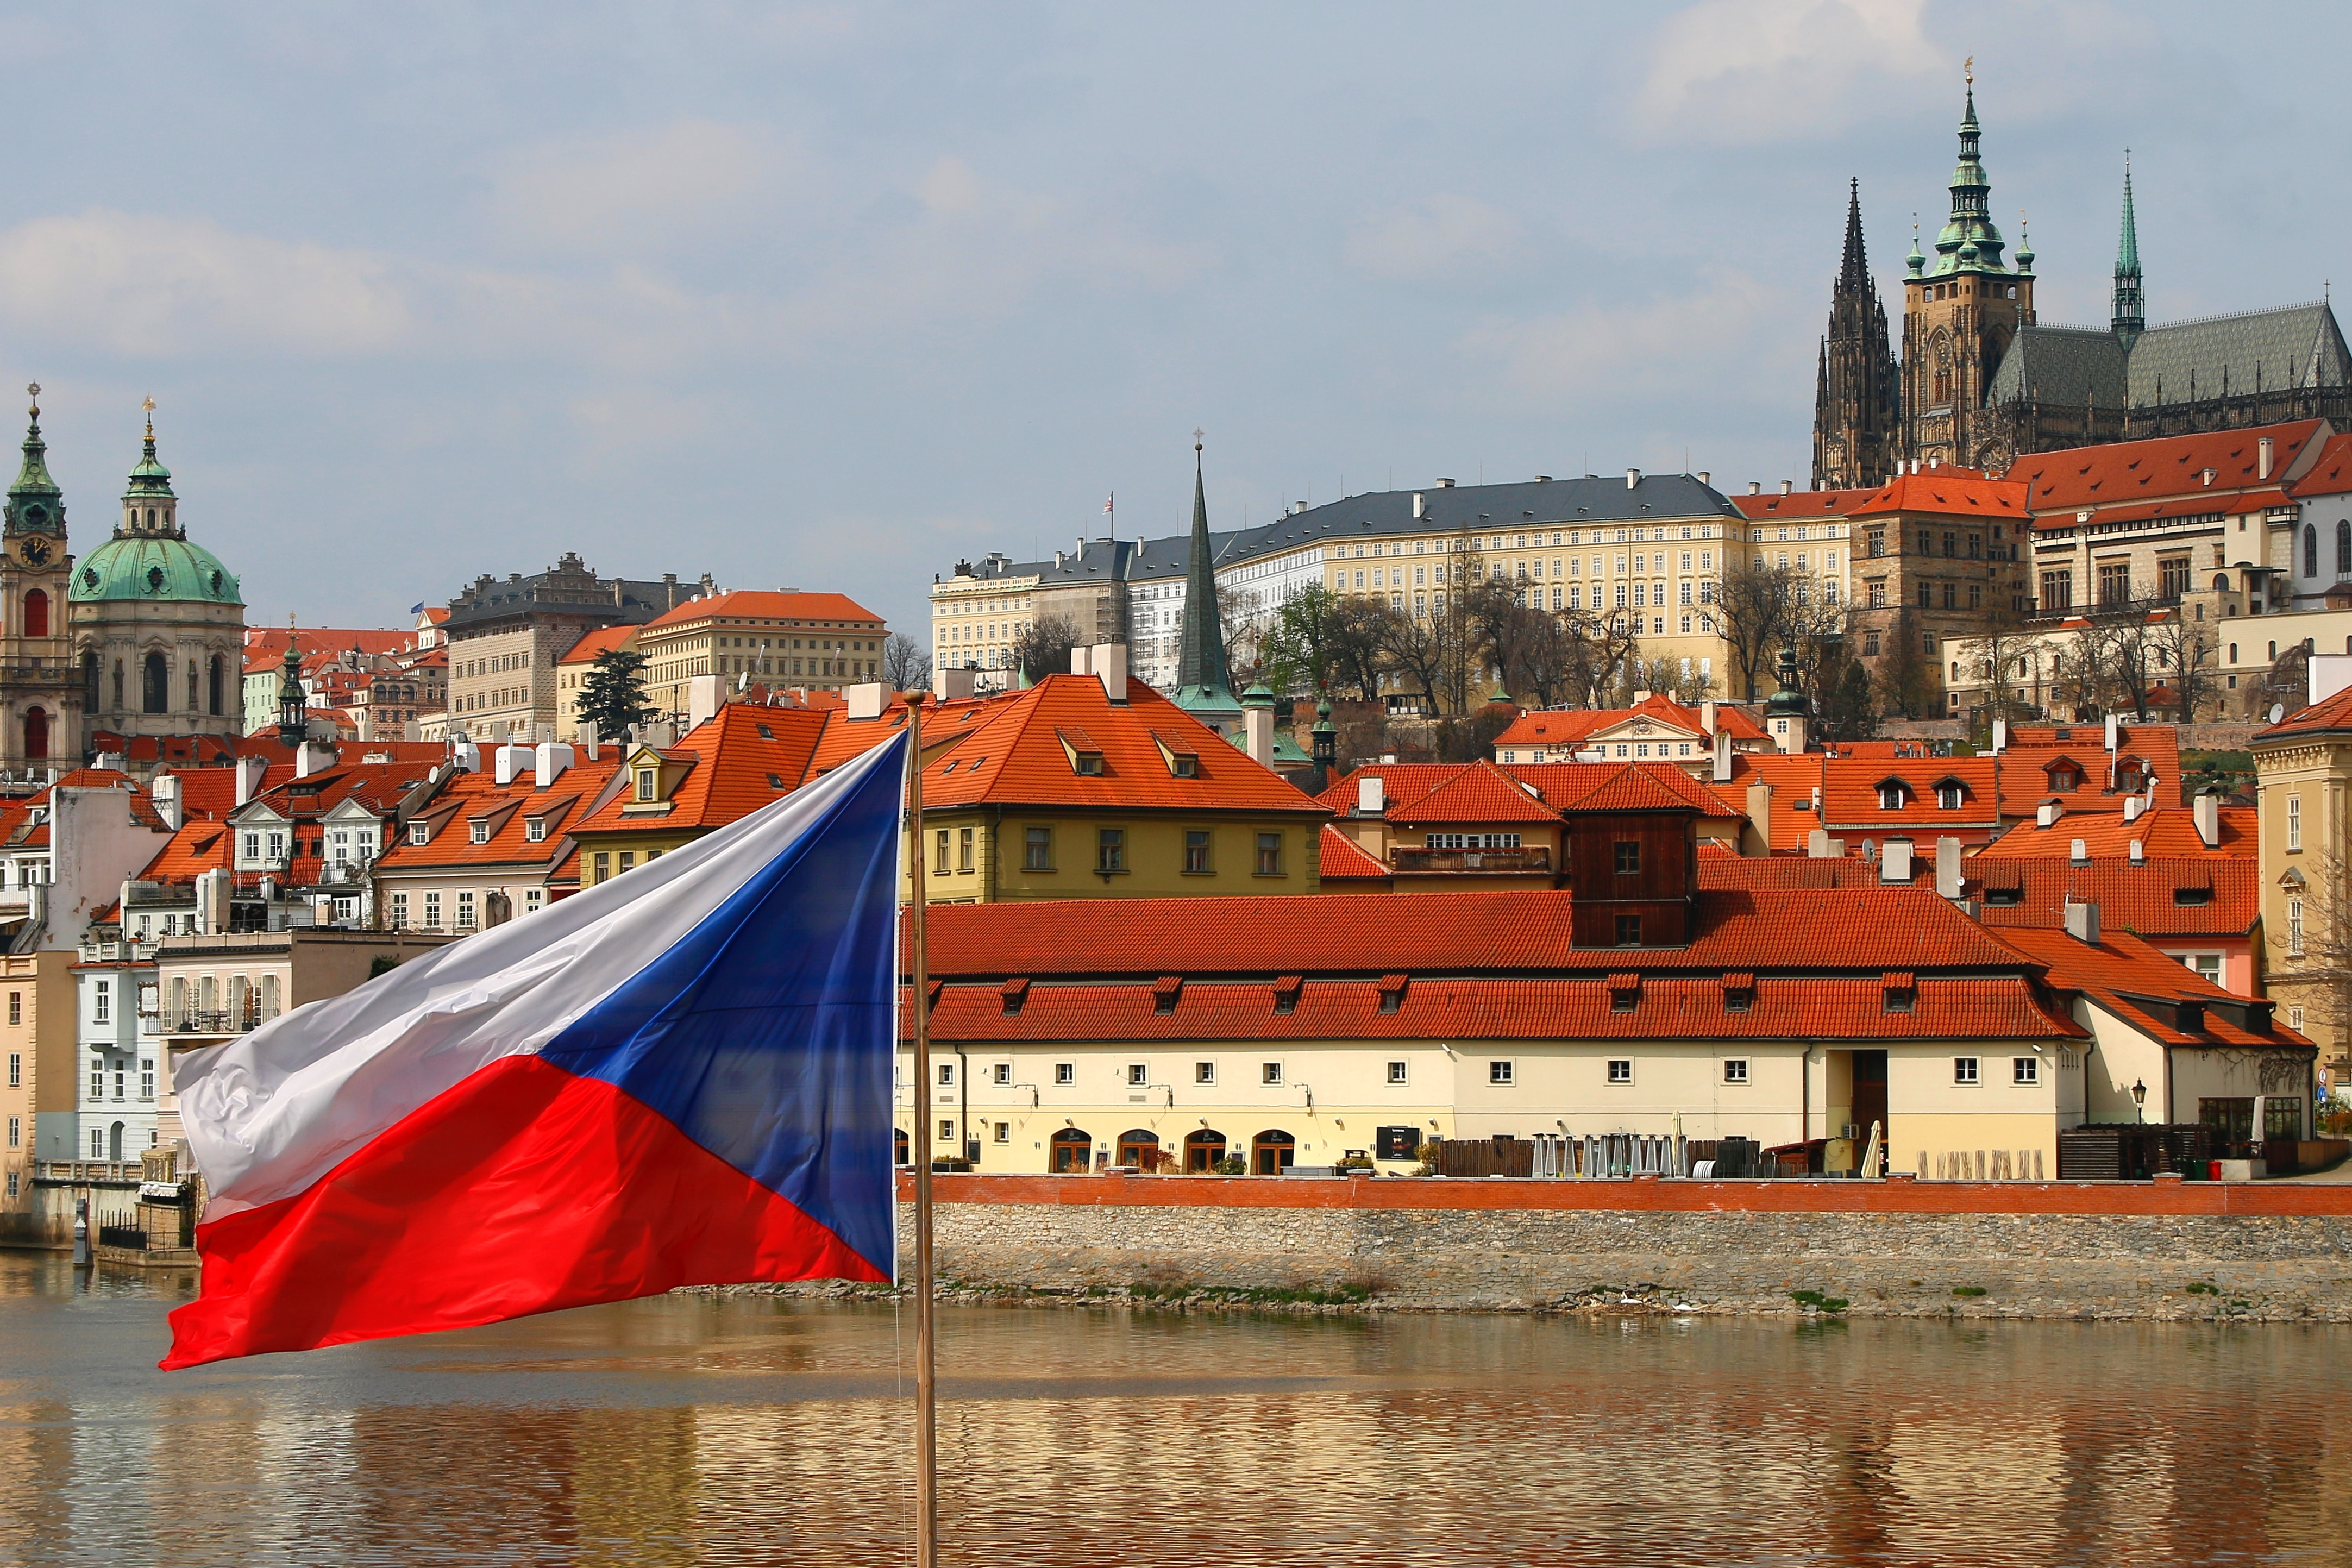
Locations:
column 1637, row 867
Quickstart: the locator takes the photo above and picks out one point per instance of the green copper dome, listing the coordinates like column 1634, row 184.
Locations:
column 156, row 567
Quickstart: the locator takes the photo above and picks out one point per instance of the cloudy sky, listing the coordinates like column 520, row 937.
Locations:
column 827, row 295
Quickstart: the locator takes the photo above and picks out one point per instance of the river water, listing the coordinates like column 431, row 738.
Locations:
column 754, row 1430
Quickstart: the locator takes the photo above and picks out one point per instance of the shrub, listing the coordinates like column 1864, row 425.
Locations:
column 1818, row 1302
column 1231, row 1165
column 1967, row 1289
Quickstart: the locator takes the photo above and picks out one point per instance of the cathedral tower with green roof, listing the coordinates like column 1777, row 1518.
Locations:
column 40, row 701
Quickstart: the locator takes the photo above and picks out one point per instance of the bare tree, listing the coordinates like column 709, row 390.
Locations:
column 1352, row 631
column 1420, row 649
column 2184, row 658
column 905, row 665
column 1755, row 607
column 2001, row 657
column 1906, row 682
column 1044, row 648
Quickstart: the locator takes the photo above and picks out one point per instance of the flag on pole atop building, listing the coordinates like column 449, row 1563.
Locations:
column 679, row 1077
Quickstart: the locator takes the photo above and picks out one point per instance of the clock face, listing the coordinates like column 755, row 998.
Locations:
column 35, row 551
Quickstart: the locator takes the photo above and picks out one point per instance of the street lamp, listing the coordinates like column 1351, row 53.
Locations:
column 2140, row 1094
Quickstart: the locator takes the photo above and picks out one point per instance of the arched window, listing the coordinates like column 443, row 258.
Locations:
column 1071, row 1152
column 216, row 682
column 36, row 734
column 191, row 686
column 1140, row 1147
column 1273, row 1153
column 1203, row 1150
column 37, row 613
column 2310, row 551
column 155, row 690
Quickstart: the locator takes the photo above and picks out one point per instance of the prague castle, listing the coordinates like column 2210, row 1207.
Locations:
column 1981, row 382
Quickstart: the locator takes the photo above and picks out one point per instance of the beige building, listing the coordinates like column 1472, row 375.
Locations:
column 2304, row 768
column 36, row 1038
column 505, row 639
column 822, row 642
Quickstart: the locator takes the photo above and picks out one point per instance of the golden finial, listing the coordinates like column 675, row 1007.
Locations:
column 1969, row 70
column 33, row 391
column 1196, row 437
column 149, row 405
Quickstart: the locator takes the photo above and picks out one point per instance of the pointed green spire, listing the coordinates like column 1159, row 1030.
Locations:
column 35, row 503
column 1969, row 242
column 1204, row 684
column 2131, row 310
column 149, row 477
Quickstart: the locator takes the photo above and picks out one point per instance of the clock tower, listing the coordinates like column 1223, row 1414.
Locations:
column 40, row 692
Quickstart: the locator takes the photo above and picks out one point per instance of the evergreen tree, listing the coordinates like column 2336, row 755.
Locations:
column 614, row 697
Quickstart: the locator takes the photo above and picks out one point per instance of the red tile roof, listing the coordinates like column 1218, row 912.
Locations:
column 268, row 644
column 1477, row 793
column 1014, row 757
column 2165, row 832
column 508, row 808
column 749, row 605
column 599, row 642
column 1954, row 492
column 1450, row 932
column 1633, row 788
column 2330, row 472
column 2224, row 895
column 944, row 724
column 1850, row 797
column 2328, row 715
column 2122, row 969
column 743, row 758
column 1990, row 1007
column 1563, row 727
column 1344, row 860
column 2124, row 472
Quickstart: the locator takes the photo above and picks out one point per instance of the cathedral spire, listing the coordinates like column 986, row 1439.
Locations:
column 1202, row 683
column 1857, row 390
column 2130, row 313
column 1853, row 270
column 35, row 501
column 1969, row 242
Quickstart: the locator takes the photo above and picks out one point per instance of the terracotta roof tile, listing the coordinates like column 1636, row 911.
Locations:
column 2067, row 481
column 743, row 758
column 1344, row 860
column 468, row 795
column 2165, row 832
column 1953, row 492
column 599, row 642
column 2121, row 967
column 2222, row 898
column 759, row 604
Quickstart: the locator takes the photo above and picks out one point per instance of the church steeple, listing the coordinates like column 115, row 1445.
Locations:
column 1204, row 684
column 2130, row 312
column 1857, row 395
column 149, row 507
column 1969, row 242
column 35, row 503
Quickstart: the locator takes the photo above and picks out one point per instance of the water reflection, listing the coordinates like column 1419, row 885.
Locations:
column 752, row 1431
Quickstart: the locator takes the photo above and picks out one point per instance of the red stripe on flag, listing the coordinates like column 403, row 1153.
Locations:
column 524, row 1189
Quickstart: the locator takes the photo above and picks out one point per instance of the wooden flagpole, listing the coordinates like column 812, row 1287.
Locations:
column 927, row 1506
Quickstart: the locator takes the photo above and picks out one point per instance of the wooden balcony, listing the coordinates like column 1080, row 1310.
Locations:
column 1420, row 860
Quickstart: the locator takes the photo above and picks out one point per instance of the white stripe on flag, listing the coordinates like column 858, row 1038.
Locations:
column 269, row 1113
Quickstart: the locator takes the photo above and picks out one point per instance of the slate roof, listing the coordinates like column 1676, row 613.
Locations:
column 2286, row 347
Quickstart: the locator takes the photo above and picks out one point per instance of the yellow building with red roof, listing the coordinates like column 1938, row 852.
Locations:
column 822, row 642
column 743, row 758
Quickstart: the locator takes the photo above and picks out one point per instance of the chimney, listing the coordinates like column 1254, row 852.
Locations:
column 1706, row 478
column 1760, row 814
column 1756, row 487
column 2330, row 673
column 507, row 762
column 112, row 760
column 2083, row 922
column 1257, row 728
column 1640, row 697
column 2263, row 449
column 1722, row 756
column 1082, row 660
column 1894, row 860
column 465, row 756
column 1110, row 669
column 549, row 761
column 1420, row 506
column 2079, row 852
column 1947, row 867
column 1817, row 845
column 2000, row 736
column 2133, row 805
column 1707, row 717
column 2207, row 813
column 249, row 772
column 1372, row 796
column 2138, row 853
column 1632, row 478
column 590, row 742
column 2115, row 732
column 1788, row 484
column 165, row 793
column 1445, row 484
column 2047, row 814
column 953, row 685
column 867, row 699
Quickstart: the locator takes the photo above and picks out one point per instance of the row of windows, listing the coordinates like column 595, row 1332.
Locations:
column 2024, row 1072
column 99, row 1070
column 466, row 904
column 955, row 851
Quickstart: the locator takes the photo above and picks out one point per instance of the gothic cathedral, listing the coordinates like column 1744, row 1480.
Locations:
column 40, row 692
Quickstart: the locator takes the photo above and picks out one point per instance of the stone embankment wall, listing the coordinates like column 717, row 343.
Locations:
column 2047, row 1250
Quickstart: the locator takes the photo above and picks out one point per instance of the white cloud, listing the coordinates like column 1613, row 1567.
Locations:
column 1597, row 358
column 645, row 190
column 1441, row 236
column 145, row 285
column 1763, row 71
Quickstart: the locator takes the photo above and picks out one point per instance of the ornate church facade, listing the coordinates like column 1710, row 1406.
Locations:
column 1980, row 381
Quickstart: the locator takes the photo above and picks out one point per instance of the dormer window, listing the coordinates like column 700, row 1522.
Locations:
column 1890, row 797
column 1949, row 794
column 477, row 832
column 1184, row 767
column 2065, row 776
column 534, row 830
column 649, row 784
column 420, row 833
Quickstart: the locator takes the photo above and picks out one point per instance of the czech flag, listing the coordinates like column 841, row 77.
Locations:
column 679, row 1077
